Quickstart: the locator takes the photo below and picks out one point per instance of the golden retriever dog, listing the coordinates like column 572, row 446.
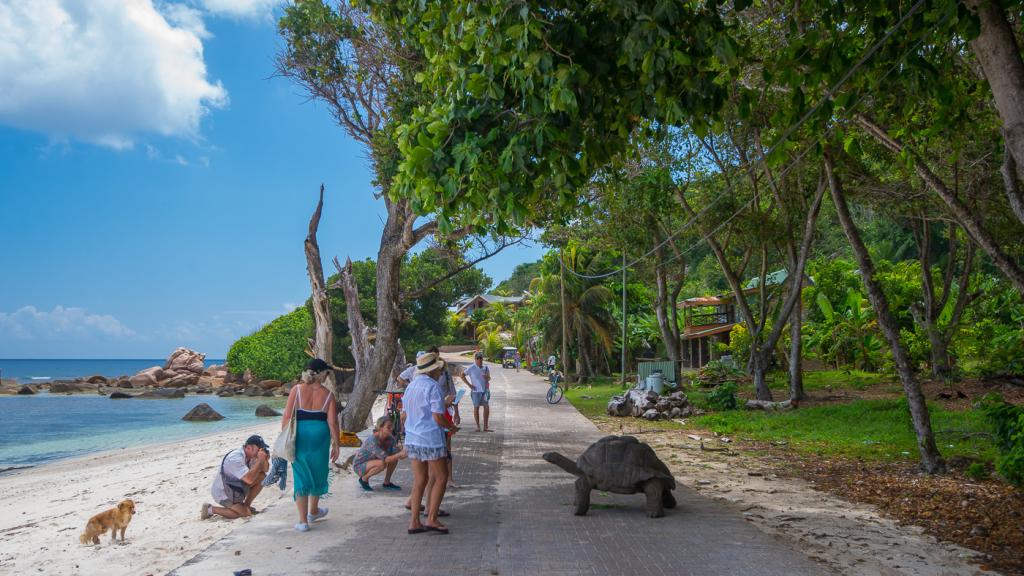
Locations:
column 109, row 520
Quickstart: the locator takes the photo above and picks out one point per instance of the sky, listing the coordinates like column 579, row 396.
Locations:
column 156, row 179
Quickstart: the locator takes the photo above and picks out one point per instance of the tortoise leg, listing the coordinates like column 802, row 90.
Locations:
column 654, row 490
column 582, row 502
column 667, row 499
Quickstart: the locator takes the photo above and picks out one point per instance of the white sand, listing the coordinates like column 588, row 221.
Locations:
column 45, row 509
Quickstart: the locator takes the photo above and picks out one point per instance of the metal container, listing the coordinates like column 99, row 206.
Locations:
column 655, row 382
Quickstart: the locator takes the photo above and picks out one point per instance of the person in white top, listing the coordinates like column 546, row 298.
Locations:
column 238, row 481
column 423, row 418
column 479, row 379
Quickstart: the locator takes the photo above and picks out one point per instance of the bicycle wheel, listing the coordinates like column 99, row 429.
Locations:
column 554, row 394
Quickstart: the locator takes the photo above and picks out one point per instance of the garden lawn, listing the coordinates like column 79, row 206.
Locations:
column 869, row 429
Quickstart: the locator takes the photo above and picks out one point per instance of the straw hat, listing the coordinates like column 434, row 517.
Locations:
column 428, row 363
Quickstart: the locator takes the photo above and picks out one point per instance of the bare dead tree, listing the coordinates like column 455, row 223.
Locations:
column 323, row 342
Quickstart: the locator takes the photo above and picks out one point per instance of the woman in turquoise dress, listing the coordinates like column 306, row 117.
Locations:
column 316, row 440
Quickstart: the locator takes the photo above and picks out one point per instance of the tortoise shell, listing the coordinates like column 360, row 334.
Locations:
column 622, row 464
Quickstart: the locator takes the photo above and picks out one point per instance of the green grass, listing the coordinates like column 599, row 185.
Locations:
column 870, row 429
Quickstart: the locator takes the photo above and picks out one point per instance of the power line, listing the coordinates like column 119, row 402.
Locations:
column 789, row 131
column 762, row 160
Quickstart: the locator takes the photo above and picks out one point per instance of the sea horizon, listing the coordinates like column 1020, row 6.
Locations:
column 39, row 370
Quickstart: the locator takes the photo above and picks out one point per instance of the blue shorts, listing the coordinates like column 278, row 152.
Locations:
column 479, row 399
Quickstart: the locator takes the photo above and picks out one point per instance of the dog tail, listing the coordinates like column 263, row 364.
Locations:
column 84, row 538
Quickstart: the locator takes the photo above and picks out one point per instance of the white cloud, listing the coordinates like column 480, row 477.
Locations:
column 28, row 323
column 104, row 71
column 241, row 8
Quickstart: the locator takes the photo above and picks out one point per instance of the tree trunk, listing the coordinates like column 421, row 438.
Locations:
column 1012, row 183
column 323, row 342
column 942, row 368
column 997, row 51
column 565, row 318
column 963, row 215
column 758, row 370
column 669, row 337
column 374, row 363
column 796, row 368
column 931, row 459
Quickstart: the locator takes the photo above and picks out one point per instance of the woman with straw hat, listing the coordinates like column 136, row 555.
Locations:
column 423, row 415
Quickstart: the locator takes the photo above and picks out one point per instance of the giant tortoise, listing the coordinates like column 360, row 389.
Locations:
column 620, row 464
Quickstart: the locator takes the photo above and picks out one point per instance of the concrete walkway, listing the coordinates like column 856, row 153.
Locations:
column 511, row 514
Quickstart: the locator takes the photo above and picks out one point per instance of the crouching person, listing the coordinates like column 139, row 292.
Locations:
column 239, row 480
column 379, row 453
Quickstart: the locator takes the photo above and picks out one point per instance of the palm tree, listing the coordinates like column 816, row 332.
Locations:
column 588, row 311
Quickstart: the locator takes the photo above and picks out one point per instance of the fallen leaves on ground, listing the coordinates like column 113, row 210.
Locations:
column 987, row 516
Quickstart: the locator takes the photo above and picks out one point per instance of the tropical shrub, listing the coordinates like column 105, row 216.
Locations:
column 277, row 350
column 723, row 397
column 1007, row 421
column 717, row 372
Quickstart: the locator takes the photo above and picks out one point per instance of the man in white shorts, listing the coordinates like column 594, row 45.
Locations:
column 479, row 379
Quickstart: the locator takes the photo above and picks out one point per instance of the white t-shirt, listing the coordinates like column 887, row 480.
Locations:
column 235, row 467
column 476, row 377
column 552, row 360
column 422, row 399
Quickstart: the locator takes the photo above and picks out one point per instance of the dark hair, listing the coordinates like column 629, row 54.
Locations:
column 317, row 365
column 258, row 441
column 434, row 350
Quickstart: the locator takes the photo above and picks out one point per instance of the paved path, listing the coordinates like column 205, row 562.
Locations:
column 511, row 515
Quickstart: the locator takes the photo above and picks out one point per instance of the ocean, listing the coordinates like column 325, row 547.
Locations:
column 35, row 370
column 43, row 427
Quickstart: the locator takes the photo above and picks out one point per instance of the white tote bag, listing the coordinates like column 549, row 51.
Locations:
column 284, row 446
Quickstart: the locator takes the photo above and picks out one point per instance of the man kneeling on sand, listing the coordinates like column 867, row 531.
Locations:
column 239, row 480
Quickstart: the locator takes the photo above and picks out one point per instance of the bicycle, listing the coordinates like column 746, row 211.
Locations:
column 554, row 395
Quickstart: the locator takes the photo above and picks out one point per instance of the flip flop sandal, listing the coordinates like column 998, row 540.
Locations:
column 436, row 529
column 418, row 530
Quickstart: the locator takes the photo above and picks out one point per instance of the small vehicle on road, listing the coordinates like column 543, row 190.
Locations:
column 508, row 357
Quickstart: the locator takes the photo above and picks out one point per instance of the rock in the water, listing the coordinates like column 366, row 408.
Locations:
column 26, row 390
column 185, row 360
column 264, row 410
column 225, row 393
column 182, row 380
column 269, row 384
column 254, row 391
column 652, row 415
column 124, row 383
column 119, row 396
column 143, row 379
column 97, row 379
column 63, row 387
column 163, row 393
column 202, row 413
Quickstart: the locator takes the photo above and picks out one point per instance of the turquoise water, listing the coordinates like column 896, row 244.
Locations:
column 42, row 428
column 36, row 370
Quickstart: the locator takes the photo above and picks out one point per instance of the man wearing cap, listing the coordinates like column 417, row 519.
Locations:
column 479, row 379
column 239, row 480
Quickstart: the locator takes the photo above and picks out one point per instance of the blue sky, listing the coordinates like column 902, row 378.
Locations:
column 155, row 185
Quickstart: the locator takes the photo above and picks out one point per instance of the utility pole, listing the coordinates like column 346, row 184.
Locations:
column 623, row 382
column 565, row 320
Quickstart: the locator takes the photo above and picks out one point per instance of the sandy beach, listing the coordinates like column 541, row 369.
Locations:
column 46, row 508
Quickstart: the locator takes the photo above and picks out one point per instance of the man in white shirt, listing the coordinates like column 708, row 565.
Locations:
column 479, row 379
column 239, row 479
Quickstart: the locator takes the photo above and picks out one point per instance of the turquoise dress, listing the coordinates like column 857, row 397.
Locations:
column 312, row 450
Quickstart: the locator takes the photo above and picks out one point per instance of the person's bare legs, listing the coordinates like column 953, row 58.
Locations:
column 232, row 512
column 254, row 491
column 476, row 417
column 419, row 483
column 487, row 418
column 390, row 469
column 314, row 505
column 302, row 503
column 438, row 474
column 373, row 468
column 427, row 487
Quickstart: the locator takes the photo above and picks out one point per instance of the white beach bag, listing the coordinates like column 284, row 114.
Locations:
column 284, row 446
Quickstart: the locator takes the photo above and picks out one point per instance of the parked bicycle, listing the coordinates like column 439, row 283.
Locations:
column 555, row 391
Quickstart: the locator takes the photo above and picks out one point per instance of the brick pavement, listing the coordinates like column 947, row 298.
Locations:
column 512, row 515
